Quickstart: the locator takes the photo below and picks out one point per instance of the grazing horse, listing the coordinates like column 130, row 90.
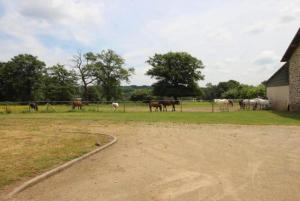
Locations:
column 33, row 106
column 157, row 106
column 249, row 104
column 242, row 104
column 77, row 103
column 224, row 104
column 262, row 104
column 256, row 103
column 166, row 103
column 115, row 106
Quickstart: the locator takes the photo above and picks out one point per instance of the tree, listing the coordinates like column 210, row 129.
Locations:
column 209, row 92
column 22, row 78
column 82, row 63
column 108, row 70
column 176, row 73
column 141, row 95
column 60, row 83
column 223, row 87
column 2, row 81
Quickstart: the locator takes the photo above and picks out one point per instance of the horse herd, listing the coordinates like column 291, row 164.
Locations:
column 245, row 104
column 162, row 105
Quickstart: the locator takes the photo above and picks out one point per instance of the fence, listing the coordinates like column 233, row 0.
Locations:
column 102, row 106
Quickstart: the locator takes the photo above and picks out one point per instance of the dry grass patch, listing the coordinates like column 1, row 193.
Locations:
column 29, row 147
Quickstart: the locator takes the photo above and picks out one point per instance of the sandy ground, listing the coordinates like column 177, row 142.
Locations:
column 182, row 162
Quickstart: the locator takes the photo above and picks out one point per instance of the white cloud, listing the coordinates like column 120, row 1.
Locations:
column 266, row 58
column 229, row 37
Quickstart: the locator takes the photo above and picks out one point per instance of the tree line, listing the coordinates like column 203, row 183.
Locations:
column 230, row 90
column 92, row 76
column 98, row 76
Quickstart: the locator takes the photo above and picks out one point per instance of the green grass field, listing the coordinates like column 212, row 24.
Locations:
column 241, row 117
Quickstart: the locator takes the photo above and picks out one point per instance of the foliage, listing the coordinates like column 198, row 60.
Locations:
column 233, row 90
column 83, row 67
column 141, row 95
column 176, row 73
column 60, row 84
column 108, row 70
column 22, row 78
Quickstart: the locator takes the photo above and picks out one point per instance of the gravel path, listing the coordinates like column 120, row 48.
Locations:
column 182, row 162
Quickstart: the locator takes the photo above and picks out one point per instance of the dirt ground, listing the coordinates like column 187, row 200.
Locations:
column 183, row 162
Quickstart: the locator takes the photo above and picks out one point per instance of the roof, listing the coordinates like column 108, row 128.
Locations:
column 292, row 47
column 280, row 77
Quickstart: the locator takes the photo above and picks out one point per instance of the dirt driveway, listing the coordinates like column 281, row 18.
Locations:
column 182, row 162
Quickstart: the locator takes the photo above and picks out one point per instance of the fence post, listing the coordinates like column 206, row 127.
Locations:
column 6, row 109
column 180, row 106
column 124, row 107
column 212, row 107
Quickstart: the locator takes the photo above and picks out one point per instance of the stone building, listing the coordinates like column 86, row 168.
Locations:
column 283, row 88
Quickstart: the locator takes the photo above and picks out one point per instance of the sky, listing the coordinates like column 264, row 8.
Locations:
column 242, row 40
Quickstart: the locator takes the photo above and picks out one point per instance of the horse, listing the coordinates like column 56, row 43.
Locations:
column 115, row 106
column 256, row 103
column 33, row 106
column 262, row 104
column 77, row 103
column 166, row 103
column 242, row 105
column 157, row 106
column 224, row 104
column 249, row 104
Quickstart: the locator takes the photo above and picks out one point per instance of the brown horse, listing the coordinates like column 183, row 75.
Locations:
column 77, row 103
column 156, row 105
column 166, row 103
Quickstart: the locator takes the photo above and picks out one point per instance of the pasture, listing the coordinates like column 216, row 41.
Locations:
column 126, row 106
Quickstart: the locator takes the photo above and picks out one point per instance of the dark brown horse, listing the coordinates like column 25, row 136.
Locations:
column 77, row 103
column 33, row 106
column 166, row 103
column 156, row 105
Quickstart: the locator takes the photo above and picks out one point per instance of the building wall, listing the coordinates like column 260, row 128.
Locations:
column 294, row 79
column 279, row 97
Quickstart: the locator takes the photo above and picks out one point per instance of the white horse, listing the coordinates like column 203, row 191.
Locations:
column 249, row 103
column 223, row 104
column 256, row 103
column 263, row 103
column 115, row 106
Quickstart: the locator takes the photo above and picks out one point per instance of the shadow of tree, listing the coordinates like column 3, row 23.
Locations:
column 290, row 115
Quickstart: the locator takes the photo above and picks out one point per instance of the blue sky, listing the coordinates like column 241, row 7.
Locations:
column 236, row 39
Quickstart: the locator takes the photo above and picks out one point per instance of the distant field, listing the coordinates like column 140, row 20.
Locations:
column 187, row 106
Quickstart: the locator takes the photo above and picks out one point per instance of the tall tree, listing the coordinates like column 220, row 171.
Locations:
column 176, row 73
column 60, row 83
column 2, row 81
column 22, row 78
column 82, row 64
column 109, row 71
